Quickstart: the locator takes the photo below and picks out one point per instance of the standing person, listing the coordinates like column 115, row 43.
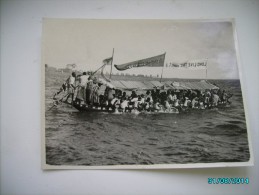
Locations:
column 89, row 91
column 174, row 98
column 207, row 99
column 108, row 96
column 95, row 93
column 215, row 99
column 63, row 88
column 71, row 87
column 169, row 97
column 134, row 100
column 81, row 94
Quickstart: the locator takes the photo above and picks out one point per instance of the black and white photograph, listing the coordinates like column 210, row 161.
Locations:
column 142, row 94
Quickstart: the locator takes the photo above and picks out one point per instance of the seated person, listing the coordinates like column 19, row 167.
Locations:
column 167, row 106
column 195, row 102
column 177, row 103
column 186, row 102
column 157, row 106
column 113, row 102
column 124, row 104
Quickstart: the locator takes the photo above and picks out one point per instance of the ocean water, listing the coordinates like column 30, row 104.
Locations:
column 197, row 136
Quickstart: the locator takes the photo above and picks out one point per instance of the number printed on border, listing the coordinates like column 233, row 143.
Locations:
column 226, row 180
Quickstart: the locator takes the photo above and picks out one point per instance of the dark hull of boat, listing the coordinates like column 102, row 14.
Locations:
column 90, row 109
column 99, row 109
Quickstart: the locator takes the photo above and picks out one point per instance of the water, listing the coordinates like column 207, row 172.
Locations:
column 198, row 136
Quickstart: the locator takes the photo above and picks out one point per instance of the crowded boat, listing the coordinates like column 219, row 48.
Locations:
column 86, row 92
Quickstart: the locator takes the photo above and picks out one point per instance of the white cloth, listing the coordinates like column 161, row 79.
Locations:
column 167, row 105
column 71, row 80
column 124, row 104
column 83, row 80
column 170, row 97
column 134, row 99
column 142, row 101
column 186, row 102
column 176, row 103
column 136, row 104
column 113, row 101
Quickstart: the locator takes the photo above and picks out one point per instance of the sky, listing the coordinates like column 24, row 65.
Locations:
column 88, row 42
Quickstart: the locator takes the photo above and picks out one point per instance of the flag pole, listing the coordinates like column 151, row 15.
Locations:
column 162, row 70
column 111, row 63
column 207, row 69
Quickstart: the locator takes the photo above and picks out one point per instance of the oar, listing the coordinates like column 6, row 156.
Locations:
column 60, row 100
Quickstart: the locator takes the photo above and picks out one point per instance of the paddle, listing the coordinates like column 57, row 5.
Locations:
column 58, row 101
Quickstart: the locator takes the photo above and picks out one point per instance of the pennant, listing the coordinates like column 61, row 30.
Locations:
column 106, row 79
column 107, row 61
column 155, row 61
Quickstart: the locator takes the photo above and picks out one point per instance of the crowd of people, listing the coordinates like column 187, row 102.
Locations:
column 87, row 93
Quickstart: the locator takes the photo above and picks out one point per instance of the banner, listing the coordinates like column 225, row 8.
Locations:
column 155, row 61
column 192, row 64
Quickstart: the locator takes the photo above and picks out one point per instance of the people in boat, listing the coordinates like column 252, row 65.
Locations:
column 124, row 104
column 95, row 92
column 154, row 100
column 142, row 99
column 114, row 101
column 170, row 97
column 134, row 100
column 207, row 102
column 148, row 97
column 108, row 96
column 64, row 87
column 176, row 103
column 89, row 90
column 187, row 102
column 71, row 87
column 215, row 99
column 195, row 102
column 167, row 106
column 157, row 106
column 147, row 106
column 81, row 90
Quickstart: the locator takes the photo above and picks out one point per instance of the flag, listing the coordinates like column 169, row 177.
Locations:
column 191, row 64
column 155, row 61
column 107, row 61
column 106, row 79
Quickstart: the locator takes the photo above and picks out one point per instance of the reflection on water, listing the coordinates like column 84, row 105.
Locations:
column 74, row 138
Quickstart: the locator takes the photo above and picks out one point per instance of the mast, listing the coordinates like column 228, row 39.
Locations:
column 111, row 63
column 162, row 70
column 207, row 69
